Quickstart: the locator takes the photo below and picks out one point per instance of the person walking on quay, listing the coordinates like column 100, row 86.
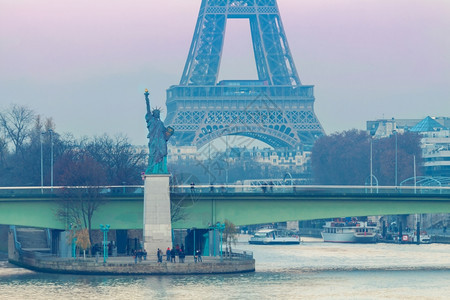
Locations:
column 139, row 255
column 168, row 254
column 198, row 256
column 181, row 256
column 133, row 252
column 173, row 254
column 159, row 255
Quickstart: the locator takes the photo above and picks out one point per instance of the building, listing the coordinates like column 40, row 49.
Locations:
column 435, row 143
column 435, row 147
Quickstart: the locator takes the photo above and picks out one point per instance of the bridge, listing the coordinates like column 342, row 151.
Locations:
column 201, row 206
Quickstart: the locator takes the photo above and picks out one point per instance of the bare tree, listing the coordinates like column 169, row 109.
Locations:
column 82, row 198
column 123, row 161
column 16, row 122
column 230, row 235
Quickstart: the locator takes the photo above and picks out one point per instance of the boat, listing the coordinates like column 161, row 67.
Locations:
column 271, row 236
column 353, row 231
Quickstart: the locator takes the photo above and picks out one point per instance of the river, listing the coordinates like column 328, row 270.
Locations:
column 311, row 270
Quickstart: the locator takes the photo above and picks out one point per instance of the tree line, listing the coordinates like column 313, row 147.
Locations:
column 344, row 158
column 26, row 138
column 339, row 158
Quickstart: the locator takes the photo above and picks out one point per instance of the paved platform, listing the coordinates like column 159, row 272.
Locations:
column 125, row 265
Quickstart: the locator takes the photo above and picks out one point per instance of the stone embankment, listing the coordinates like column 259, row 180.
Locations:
column 126, row 265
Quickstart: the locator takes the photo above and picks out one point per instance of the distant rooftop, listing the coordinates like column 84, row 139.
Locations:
column 428, row 124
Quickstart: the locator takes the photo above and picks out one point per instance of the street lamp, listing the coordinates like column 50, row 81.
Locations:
column 50, row 131
column 226, row 158
column 395, row 133
column 221, row 228
column 42, row 164
column 371, row 161
column 51, row 158
column 105, row 230
column 415, row 177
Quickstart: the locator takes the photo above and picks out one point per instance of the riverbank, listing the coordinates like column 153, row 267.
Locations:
column 126, row 265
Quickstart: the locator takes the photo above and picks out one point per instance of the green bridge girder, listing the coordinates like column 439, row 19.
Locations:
column 203, row 209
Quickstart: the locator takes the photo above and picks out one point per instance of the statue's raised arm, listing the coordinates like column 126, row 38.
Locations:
column 147, row 101
column 158, row 135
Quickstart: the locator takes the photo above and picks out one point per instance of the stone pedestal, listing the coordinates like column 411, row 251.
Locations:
column 157, row 222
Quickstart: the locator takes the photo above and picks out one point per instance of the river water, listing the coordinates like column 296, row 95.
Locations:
column 311, row 270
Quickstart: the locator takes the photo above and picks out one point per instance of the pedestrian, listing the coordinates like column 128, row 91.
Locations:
column 199, row 256
column 168, row 254
column 181, row 256
column 192, row 187
column 134, row 256
column 264, row 187
column 182, row 247
column 173, row 254
column 144, row 253
column 160, row 255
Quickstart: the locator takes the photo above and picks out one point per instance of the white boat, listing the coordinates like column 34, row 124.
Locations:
column 274, row 236
column 349, row 232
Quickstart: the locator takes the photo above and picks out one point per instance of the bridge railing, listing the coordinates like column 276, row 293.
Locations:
column 14, row 192
column 284, row 189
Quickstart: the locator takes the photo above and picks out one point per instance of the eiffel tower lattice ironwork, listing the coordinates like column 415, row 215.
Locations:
column 276, row 109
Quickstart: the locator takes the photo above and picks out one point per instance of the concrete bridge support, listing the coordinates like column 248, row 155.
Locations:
column 157, row 221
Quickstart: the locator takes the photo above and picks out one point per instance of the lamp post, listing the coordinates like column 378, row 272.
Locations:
column 371, row 163
column 415, row 177
column 51, row 158
column 42, row 164
column 226, row 158
column 221, row 228
column 395, row 133
column 209, row 160
column 105, row 230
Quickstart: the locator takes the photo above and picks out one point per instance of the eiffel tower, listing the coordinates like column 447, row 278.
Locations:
column 276, row 108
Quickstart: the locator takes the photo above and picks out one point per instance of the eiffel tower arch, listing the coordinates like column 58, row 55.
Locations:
column 276, row 108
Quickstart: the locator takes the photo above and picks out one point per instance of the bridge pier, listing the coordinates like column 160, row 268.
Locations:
column 157, row 227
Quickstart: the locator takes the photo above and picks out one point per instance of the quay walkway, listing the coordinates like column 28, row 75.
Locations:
column 125, row 265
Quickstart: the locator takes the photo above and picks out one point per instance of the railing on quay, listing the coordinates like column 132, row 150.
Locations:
column 235, row 188
column 237, row 254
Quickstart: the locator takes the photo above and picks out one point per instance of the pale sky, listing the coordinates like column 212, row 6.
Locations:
column 86, row 63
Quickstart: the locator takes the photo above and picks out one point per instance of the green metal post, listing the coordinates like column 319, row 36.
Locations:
column 105, row 230
column 221, row 228
column 418, row 233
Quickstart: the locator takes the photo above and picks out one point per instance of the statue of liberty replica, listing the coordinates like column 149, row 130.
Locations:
column 158, row 135
column 157, row 225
